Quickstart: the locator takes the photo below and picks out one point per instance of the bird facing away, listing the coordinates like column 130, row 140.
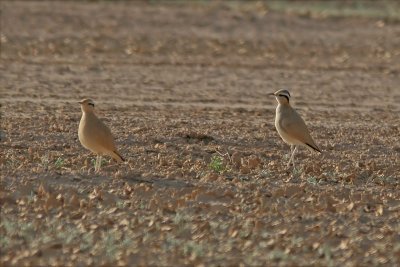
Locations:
column 290, row 126
column 95, row 136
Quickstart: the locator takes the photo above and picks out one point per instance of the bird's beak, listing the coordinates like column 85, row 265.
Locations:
column 272, row 94
column 80, row 102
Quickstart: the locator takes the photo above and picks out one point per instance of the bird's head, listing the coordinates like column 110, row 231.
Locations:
column 282, row 96
column 87, row 105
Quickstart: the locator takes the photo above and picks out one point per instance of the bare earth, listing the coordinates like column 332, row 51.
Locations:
column 184, row 89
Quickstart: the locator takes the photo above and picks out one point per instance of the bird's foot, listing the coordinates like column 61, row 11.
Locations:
column 293, row 174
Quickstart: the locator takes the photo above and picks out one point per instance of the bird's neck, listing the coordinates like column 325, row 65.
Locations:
column 88, row 114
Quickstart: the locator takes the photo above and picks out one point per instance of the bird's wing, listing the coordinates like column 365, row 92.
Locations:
column 102, row 134
column 109, row 144
column 297, row 128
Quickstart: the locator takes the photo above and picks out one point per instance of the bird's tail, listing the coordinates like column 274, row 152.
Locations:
column 117, row 156
column 314, row 147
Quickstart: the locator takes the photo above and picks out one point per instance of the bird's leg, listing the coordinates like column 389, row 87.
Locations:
column 290, row 155
column 97, row 163
column 99, row 159
column 293, row 148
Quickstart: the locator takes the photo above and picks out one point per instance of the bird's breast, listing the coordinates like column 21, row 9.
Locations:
column 280, row 117
column 86, row 135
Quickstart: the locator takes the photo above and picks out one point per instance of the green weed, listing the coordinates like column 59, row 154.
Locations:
column 217, row 164
column 59, row 163
column 312, row 180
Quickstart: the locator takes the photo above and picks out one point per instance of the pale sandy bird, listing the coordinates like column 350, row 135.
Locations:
column 95, row 136
column 290, row 126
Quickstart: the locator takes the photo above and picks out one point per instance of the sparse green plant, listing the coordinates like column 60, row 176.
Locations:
column 86, row 241
column 24, row 231
column 8, row 226
column 59, row 163
column 312, row 180
column 4, row 242
column 179, row 218
column 326, row 251
column 171, row 242
column 121, row 204
column 217, row 164
column 103, row 161
column 192, row 247
column 297, row 241
column 142, row 205
column 297, row 171
column 110, row 243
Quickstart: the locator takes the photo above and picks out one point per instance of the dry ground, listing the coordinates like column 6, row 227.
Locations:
column 182, row 86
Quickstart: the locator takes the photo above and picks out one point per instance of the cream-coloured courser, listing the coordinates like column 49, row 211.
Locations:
column 95, row 135
column 290, row 126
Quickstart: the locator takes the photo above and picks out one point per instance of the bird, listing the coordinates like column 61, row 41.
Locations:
column 95, row 136
column 291, row 127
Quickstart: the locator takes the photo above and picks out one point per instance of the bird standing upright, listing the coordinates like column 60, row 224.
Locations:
column 290, row 126
column 95, row 136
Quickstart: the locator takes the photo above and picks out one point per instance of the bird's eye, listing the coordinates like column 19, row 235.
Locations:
column 91, row 104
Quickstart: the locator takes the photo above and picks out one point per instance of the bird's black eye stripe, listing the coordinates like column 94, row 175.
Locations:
column 285, row 96
column 91, row 104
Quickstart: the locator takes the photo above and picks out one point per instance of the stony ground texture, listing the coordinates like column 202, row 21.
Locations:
column 184, row 86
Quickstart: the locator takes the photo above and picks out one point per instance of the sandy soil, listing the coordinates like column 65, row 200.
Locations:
column 184, row 89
